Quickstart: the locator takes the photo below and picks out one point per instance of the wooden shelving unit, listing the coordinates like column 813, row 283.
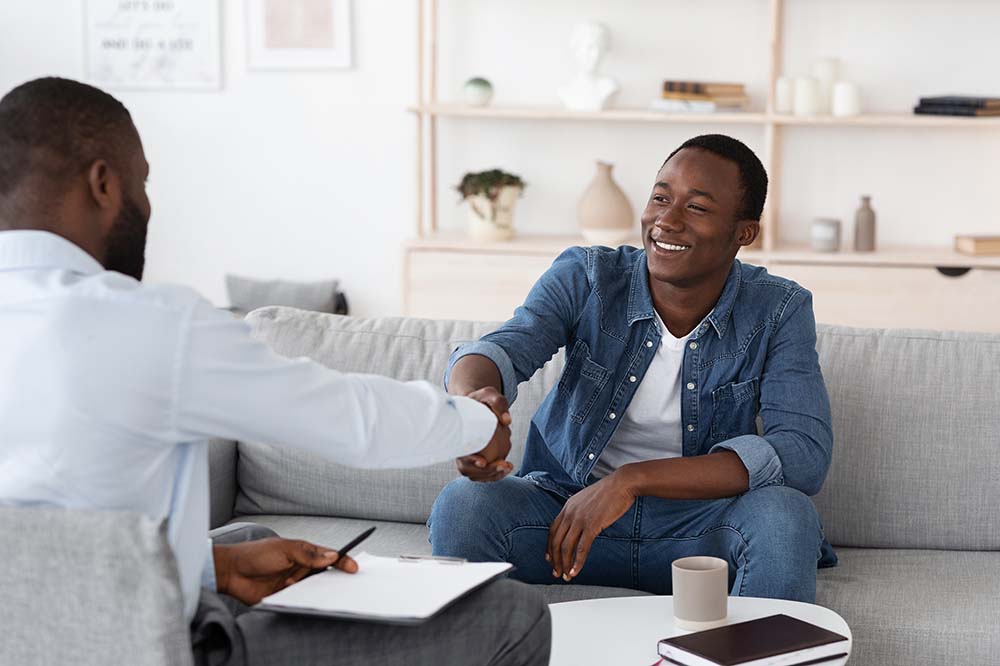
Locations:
column 799, row 262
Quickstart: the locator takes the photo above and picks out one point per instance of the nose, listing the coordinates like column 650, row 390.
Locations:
column 669, row 220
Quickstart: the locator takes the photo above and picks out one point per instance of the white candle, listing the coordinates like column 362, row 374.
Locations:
column 846, row 99
column 807, row 99
column 784, row 95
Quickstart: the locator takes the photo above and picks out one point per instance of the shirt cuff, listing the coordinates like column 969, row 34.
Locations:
column 758, row 456
column 495, row 353
column 478, row 423
column 208, row 571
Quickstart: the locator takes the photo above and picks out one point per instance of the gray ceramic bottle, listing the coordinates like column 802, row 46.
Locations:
column 864, row 226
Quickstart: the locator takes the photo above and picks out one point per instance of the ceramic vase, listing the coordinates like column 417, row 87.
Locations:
column 493, row 220
column 864, row 226
column 604, row 212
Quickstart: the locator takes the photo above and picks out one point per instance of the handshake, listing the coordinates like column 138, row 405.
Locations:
column 490, row 464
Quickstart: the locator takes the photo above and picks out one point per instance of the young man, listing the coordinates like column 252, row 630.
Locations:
column 647, row 450
column 111, row 388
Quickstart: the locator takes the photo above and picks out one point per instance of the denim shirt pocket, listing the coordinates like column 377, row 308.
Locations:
column 734, row 409
column 581, row 382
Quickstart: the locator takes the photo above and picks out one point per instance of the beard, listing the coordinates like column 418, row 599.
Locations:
column 126, row 251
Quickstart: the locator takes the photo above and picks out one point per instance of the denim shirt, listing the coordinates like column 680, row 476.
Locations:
column 754, row 356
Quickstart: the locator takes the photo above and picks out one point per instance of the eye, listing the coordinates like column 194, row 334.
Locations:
column 659, row 198
column 697, row 208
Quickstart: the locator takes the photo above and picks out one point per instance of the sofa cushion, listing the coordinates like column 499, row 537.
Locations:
column 916, row 426
column 89, row 588
column 285, row 481
column 916, row 606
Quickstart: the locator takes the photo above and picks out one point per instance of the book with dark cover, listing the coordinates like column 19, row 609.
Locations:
column 703, row 87
column 961, row 100
column 790, row 640
column 954, row 110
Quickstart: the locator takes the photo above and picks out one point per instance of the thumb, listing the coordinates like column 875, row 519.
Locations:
column 310, row 555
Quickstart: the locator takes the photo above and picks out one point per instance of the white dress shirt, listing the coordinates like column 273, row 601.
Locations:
column 650, row 428
column 109, row 389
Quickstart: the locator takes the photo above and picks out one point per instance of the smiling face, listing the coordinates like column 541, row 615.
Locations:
column 690, row 228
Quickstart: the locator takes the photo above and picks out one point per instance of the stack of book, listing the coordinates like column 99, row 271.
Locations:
column 700, row 97
column 957, row 105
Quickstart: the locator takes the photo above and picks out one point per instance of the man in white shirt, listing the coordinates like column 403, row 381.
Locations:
column 111, row 389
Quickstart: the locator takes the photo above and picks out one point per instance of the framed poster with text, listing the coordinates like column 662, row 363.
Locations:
column 153, row 44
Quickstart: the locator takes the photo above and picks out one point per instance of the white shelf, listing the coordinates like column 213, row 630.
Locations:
column 725, row 118
column 618, row 115
column 551, row 245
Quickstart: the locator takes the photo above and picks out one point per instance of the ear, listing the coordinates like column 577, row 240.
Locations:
column 104, row 186
column 747, row 232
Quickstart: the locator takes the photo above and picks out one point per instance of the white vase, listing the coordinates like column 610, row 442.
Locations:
column 493, row 220
column 604, row 212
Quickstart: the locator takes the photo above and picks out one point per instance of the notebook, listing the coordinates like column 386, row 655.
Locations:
column 778, row 640
column 393, row 590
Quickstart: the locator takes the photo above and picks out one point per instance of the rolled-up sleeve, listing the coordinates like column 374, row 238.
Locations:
column 540, row 327
column 796, row 446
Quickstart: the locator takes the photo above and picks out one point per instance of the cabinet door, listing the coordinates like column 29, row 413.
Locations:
column 475, row 286
column 890, row 297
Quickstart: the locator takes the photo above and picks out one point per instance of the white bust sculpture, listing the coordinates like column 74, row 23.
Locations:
column 588, row 91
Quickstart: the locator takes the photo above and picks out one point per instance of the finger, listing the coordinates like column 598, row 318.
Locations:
column 347, row 564
column 474, row 473
column 582, row 550
column 556, row 533
column 495, row 401
column 298, row 574
column 567, row 549
column 474, row 460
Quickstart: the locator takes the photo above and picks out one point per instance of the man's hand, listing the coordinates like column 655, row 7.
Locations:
column 252, row 570
column 582, row 518
column 490, row 464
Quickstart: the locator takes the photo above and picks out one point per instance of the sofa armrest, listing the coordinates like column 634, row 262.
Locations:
column 221, row 480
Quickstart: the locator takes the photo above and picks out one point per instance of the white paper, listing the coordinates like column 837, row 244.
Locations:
column 387, row 588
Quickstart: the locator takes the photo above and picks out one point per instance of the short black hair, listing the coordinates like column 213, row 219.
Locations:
column 59, row 127
column 753, row 177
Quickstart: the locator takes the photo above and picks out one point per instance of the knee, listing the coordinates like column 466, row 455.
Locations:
column 463, row 507
column 778, row 515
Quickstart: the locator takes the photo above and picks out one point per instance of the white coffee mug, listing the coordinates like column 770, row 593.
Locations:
column 701, row 592
column 807, row 97
column 784, row 95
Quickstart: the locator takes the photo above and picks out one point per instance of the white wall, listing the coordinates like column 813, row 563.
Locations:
column 301, row 175
column 310, row 174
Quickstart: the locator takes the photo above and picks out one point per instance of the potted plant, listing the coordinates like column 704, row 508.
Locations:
column 491, row 196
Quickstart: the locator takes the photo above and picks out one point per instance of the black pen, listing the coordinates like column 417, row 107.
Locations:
column 345, row 550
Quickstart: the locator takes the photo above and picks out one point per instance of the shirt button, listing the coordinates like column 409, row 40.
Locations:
column 690, row 428
column 632, row 379
column 612, row 416
column 690, row 386
column 590, row 457
column 649, row 343
column 693, row 345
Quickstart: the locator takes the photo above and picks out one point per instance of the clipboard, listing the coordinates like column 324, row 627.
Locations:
column 407, row 590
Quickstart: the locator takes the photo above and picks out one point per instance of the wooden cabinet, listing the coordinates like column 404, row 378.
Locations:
column 454, row 278
column 900, row 297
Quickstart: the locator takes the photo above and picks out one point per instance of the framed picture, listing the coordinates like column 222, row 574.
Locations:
column 153, row 44
column 298, row 34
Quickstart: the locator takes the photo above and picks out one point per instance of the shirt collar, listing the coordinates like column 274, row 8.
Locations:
column 24, row 249
column 640, row 301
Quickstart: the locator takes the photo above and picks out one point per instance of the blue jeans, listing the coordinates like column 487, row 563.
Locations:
column 770, row 536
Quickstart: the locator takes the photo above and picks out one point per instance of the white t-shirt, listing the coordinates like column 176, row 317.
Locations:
column 651, row 426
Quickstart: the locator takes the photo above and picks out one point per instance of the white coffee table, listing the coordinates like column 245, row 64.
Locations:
column 624, row 631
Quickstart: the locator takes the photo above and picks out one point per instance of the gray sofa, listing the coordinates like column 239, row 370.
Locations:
column 911, row 502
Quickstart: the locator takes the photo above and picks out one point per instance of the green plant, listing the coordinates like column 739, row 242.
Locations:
column 487, row 184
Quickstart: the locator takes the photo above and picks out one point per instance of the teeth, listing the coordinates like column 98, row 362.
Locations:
column 673, row 248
